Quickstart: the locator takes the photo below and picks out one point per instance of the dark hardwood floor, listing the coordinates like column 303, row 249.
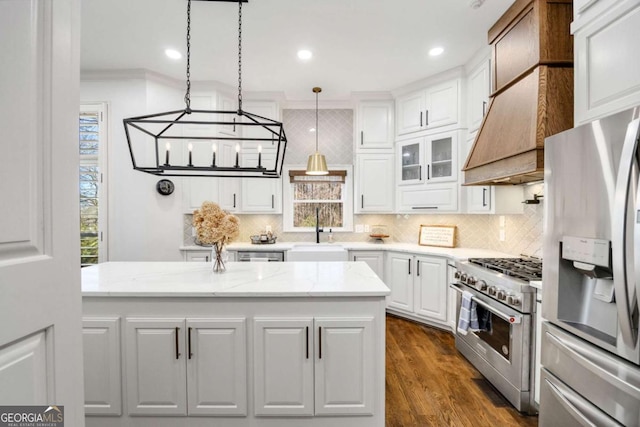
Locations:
column 428, row 383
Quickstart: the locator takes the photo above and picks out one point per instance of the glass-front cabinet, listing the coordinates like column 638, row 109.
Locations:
column 441, row 153
column 411, row 161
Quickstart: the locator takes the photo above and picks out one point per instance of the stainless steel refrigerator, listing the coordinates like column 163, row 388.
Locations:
column 591, row 275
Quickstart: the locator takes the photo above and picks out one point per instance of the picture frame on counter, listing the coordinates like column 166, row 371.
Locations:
column 437, row 235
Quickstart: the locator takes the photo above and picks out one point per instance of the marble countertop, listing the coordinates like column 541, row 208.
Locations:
column 456, row 254
column 241, row 279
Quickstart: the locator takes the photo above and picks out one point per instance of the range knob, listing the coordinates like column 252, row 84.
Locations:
column 501, row 295
column 457, row 275
column 471, row 280
column 492, row 290
column 463, row 277
column 481, row 285
column 513, row 299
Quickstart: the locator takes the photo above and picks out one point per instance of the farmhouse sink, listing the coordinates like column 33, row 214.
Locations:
column 315, row 252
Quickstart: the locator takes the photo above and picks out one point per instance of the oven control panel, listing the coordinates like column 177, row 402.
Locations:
column 507, row 293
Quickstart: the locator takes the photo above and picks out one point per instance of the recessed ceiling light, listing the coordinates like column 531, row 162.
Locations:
column 436, row 51
column 312, row 130
column 172, row 53
column 304, row 54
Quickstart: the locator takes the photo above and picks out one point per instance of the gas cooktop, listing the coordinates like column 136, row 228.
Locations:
column 520, row 268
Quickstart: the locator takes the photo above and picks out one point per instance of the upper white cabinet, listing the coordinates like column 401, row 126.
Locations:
column 479, row 88
column 374, row 125
column 606, row 69
column 307, row 366
column 263, row 137
column 427, row 173
column 227, row 103
column 178, row 366
column 374, row 183
column 492, row 199
column 260, row 195
column 427, row 109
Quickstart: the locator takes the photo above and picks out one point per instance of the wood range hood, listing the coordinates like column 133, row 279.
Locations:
column 532, row 76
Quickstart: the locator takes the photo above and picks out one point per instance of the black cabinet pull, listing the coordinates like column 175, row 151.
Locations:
column 361, row 137
column 409, row 264
column 427, row 117
column 189, row 342
column 234, row 124
column 420, row 118
column 484, row 195
column 354, row 258
column 273, row 201
column 420, row 172
column 234, row 200
column 177, row 344
column 307, row 342
column 424, row 207
column 362, row 201
column 319, row 342
column 206, row 258
column 418, row 268
column 484, row 108
column 428, row 171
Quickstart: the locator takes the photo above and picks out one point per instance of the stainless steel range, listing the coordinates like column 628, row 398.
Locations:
column 504, row 352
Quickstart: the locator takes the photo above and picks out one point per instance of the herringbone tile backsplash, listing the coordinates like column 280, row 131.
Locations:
column 523, row 233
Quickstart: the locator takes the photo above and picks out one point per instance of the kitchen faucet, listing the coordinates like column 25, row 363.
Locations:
column 318, row 229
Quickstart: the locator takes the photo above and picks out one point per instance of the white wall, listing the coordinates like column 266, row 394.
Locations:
column 143, row 225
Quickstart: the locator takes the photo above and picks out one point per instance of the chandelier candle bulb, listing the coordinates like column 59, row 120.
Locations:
column 213, row 159
column 166, row 158
column 190, row 153
column 259, row 156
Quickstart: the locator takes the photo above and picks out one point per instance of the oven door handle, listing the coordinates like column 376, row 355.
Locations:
column 506, row 317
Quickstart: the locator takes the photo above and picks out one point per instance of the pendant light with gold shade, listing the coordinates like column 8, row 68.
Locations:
column 317, row 165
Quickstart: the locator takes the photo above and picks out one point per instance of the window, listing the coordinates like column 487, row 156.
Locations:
column 328, row 197
column 92, row 146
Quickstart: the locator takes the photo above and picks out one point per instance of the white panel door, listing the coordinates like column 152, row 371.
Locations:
column 374, row 183
column 375, row 260
column 442, row 105
column 479, row 88
column 226, row 103
column 345, row 373
column 375, row 125
column 283, row 366
column 217, row 367
column 156, row 368
column 39, row 233
column 261, row 195
column 430, row 287
column 198, row 190
column 410, row 113
column 263, row 136
column 229, row 188
column 25, row 359
column 102, row 375
column 400, row 281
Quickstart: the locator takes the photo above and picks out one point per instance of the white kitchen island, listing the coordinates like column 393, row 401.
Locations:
column 262, row 344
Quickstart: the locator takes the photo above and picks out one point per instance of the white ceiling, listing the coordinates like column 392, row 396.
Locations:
column 358, row 45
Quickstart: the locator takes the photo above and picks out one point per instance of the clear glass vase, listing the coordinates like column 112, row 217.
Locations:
column 219, row 257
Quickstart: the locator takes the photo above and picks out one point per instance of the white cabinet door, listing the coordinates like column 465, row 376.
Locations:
column 400, row 280
column 261, row 195
column 479, row 90
column 267, row 109
column 226, row 103
column 229, row 188
column 433, row 198
column 411, row 162
column 375, row 260
column 374, row 183
column 155, row 367
column 197, row 256
column 430, row 287
column 217, row 367
column 441, row 104
column 102, row 375
column 374, row 128
column 198, row 190
column 344, row 372
column 442, row 157
column 606, row 71
column 283, row 366
column 410, row 113
column 478, row 199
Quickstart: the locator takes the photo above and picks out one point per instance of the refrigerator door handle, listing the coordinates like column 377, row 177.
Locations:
column 620, row 234
column 576, row 409
column 606, row 368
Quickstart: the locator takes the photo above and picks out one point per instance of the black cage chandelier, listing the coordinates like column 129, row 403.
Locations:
column 163, row 143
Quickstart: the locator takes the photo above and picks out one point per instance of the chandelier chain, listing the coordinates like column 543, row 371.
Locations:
column 187, row 96
column 239, row 55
